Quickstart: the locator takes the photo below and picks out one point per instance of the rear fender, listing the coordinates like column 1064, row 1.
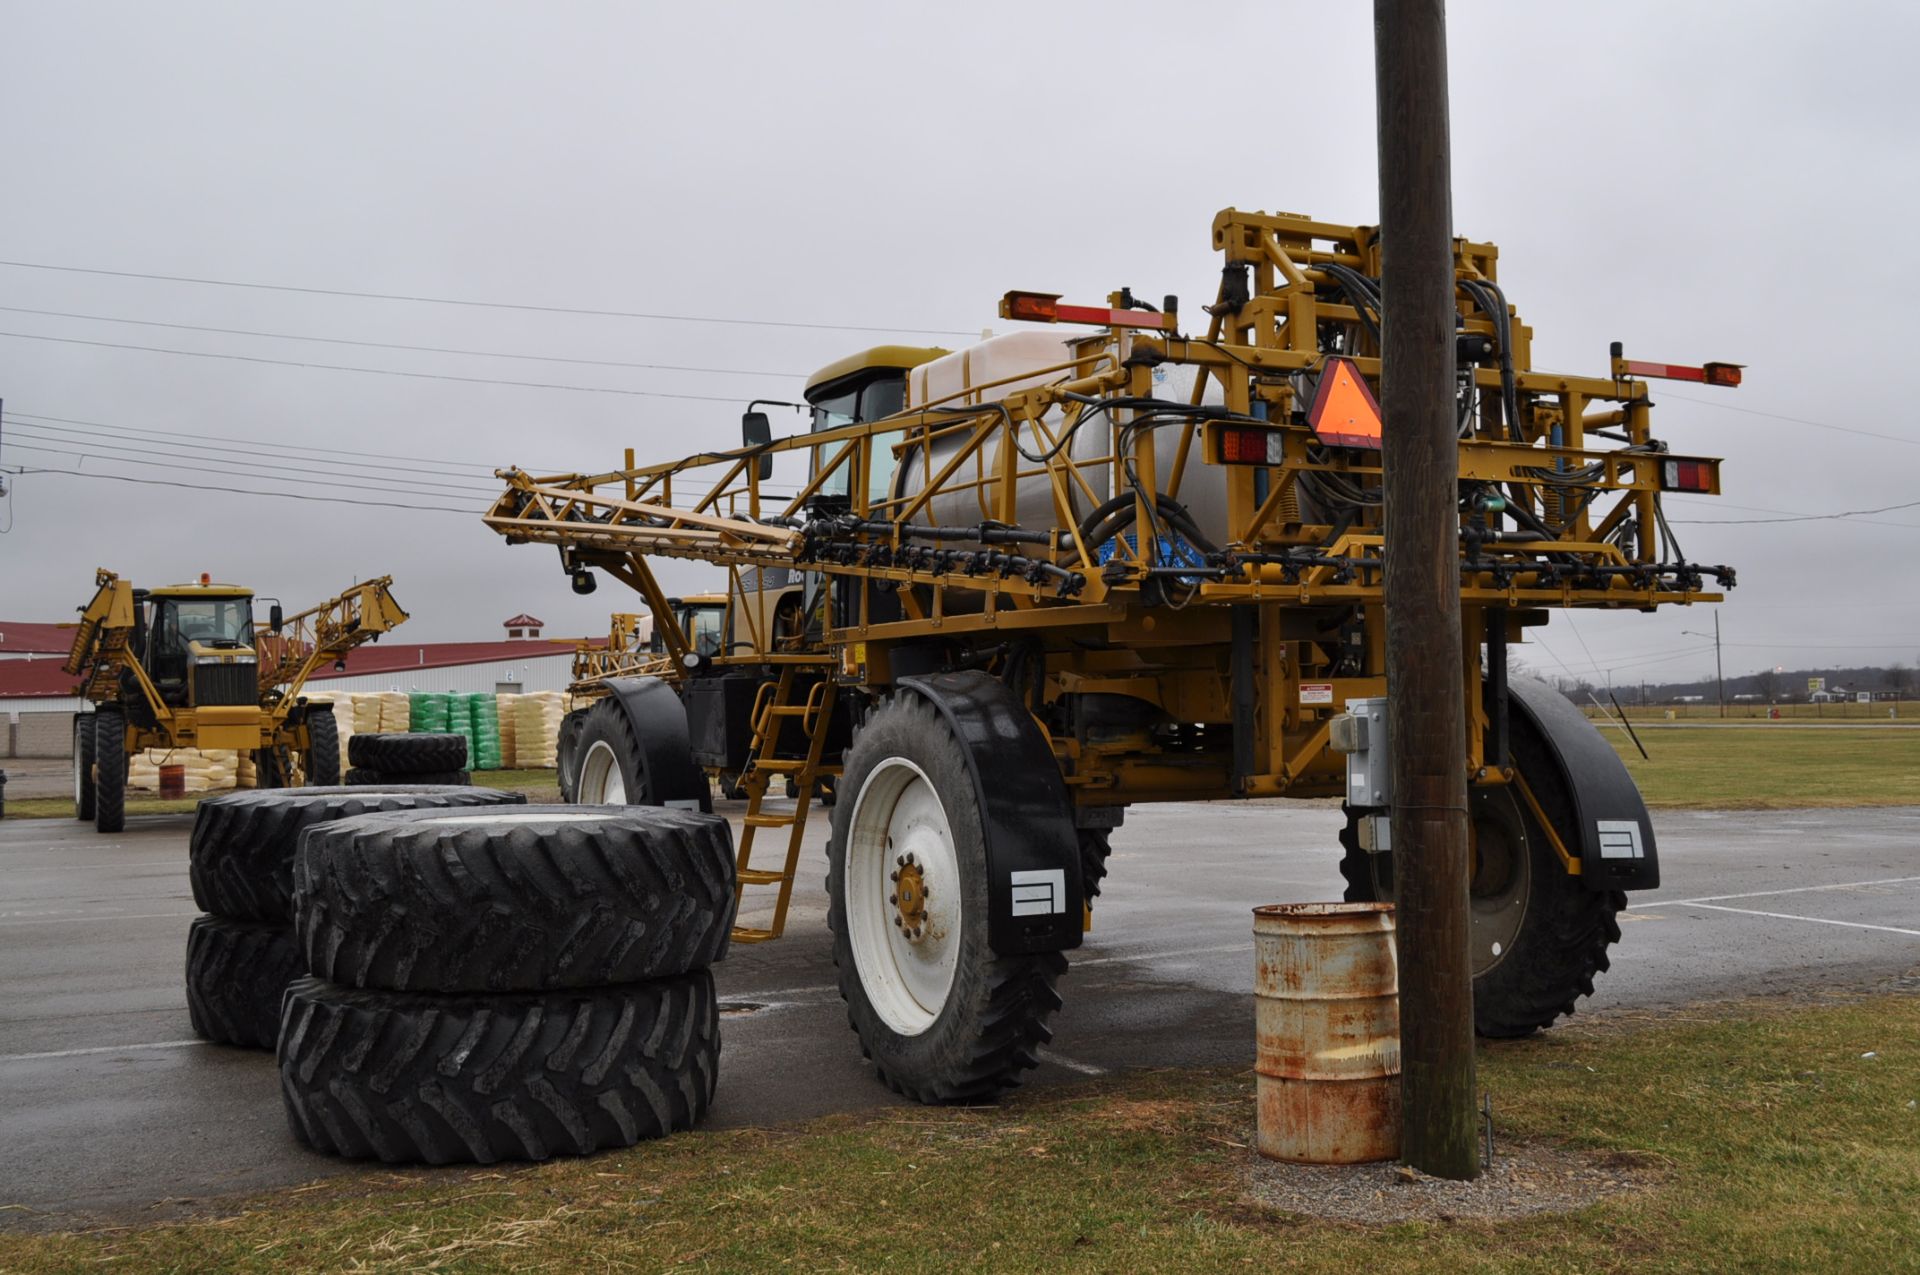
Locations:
column 1615, row 842
column 1035, row 898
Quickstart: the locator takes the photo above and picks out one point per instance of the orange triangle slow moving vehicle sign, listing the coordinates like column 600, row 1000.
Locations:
column 1344, row 412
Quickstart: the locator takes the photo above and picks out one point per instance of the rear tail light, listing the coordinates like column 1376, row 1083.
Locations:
column 1686, row 475
column 1240, row 445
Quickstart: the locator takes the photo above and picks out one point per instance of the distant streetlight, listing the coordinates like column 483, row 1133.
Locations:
column 1719, row 674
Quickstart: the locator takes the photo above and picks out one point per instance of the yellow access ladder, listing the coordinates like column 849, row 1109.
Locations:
column 772, row 707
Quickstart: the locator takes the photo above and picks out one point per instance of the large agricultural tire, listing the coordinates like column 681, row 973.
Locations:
column 240, row 855
column 943, row 1018
column 237, row 971
column 567, row 754
column 83, row 766
column 404, row 1077
column 607, row 768
column 528, row 899
column 360, row 777
column 1539, row 936
column 110, row 769
column 322, row 762
column 399, row 757
column 1095, row 845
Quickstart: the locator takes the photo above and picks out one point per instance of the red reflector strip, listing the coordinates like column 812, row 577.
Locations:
column 1665, row 371
column 1686, row 475
column 1106, row 318
column 1242, row 446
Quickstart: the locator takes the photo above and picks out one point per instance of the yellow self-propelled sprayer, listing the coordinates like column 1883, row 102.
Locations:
column 1109, row 558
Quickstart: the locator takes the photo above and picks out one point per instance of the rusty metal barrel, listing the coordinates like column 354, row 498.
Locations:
column 1327, row 1017
column 173, row 781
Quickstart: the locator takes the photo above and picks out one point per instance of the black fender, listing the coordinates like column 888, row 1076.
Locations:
column 1616, row 845
column 659, row 722
column 1035, row 897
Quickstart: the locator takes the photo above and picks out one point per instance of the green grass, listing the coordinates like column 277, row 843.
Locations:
column 1768, row 768
column 1878, row 711
column 1765, row 1140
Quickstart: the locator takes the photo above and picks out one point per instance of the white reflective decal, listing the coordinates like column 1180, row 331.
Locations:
column 1619, row 838
column 1040, row 892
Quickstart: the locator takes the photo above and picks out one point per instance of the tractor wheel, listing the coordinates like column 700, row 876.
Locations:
column 240, row 853
column 82, row 766
column 942, row 1016
column 400, row 757
column 322, row 762
column 1539, row 936
column 567, row 754
column 405, row 1077
column 237, row 971
column 607, row 770
column 110, row 769
column 1095, row 845
column 269, row 769
column 527, row 898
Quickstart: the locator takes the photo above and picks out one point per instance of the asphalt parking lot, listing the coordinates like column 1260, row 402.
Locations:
column 109, row 1109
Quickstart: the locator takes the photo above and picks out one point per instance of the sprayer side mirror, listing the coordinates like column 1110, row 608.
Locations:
column 276, row 618
column 757, row 431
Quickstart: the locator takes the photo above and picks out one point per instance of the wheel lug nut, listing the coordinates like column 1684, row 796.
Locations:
column 893, row 876
column 893, row 900
column 898, row 924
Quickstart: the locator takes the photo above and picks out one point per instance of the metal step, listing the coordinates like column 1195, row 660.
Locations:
column 770, row 821
column 760, row 876
column 749, row 934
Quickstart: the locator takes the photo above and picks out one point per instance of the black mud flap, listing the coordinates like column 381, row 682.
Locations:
column 1035, row 899
column 659, row 722
column 1616, row 846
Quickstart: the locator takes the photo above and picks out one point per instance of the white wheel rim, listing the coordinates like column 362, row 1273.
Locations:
column 897, row 814
column 601, row 780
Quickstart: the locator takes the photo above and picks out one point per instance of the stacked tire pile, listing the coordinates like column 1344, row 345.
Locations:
column 241, row 955
column 407, row 759
column 492, row 984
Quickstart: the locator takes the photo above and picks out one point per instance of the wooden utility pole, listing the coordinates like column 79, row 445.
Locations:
column 1426, row 700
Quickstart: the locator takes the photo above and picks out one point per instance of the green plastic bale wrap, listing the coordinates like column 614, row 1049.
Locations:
column 485, row 711
column 429, row 713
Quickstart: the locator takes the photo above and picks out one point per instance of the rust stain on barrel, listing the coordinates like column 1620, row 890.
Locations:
column 1327, row 1066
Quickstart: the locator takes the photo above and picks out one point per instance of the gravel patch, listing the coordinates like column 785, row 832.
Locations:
column 1522, row 1181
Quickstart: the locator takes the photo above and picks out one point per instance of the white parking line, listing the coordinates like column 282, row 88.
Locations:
column 71, row 917
column 100, row 1049
column 1762, row 894
column 1817, row 920
column 1085, row 1069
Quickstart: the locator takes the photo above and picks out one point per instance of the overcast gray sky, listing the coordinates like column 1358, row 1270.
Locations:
column 1700, row 181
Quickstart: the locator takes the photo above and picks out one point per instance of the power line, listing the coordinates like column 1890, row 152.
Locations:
column 1847, row 513
column 243, row 469
column 1777, row 416
column 245, row 491
column 486, row 305
column 330, row 484
column 390, row 345
column 116, row 442
column 373, row 371
column 230, row 438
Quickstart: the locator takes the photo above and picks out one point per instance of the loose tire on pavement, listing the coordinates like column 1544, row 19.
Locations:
column 322, row 762
column 82, row 766
column 942, row 1017
column 404, row 1077
column 1539, row 936
column 240, row 856
column 110, row 769
column 407, row 755
column 527, row 899
column 237, row 971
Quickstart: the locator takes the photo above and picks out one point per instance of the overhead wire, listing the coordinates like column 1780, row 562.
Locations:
column 373, row 371
column 243, row 491
column 392, row 345
column 485, row 305
column 332, row 483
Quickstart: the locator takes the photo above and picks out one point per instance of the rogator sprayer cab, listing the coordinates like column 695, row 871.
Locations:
column 186, row 666
column 1106, row 559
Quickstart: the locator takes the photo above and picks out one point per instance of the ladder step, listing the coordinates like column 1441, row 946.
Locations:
column 785, row 710
column 761, row 876
column 770, row 821
column 777, row 767
column 748, row 934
